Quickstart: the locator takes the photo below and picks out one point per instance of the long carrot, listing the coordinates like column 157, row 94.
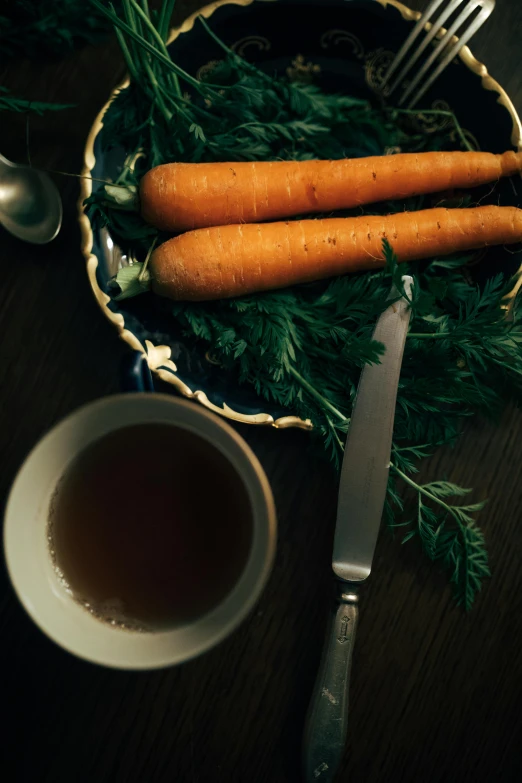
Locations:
column 182, row 196
column 226, row 261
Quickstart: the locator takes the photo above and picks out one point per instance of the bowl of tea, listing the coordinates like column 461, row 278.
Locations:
column 140, row 531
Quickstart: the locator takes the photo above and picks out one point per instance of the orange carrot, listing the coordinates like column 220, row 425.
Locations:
column 225, row 261
column 182, row 196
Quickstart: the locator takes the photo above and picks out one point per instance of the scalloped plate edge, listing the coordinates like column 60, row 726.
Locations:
column 158, row 357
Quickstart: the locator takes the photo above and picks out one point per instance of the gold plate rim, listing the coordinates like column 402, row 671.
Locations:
column 159, row 357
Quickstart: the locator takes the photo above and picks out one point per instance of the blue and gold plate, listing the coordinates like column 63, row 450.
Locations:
column 345, row 46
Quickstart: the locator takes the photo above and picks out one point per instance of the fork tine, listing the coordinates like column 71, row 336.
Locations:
column 472, row 29
column 419, row 27
column 467, row 11
column 436, row 26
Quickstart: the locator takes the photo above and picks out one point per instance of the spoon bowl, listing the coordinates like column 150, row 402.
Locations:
column 30, row 204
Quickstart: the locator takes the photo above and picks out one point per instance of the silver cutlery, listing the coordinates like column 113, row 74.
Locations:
column 30, row 204
column 364, row 479
column 470, row 15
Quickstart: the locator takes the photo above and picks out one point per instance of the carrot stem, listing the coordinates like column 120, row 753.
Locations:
column 419, row 488
column 157, row 91
column 334, row 432
column 441, row 113
column 175, row 104
column 126, row 55
column 421, row 335
column 145, row 16
column 216, row 39
column 144, row 275
column 314, row 393
column 230, row 51
column 85, row 176
column 135, row 24
column 167, row 7
column 167, row 62
column 131, row 46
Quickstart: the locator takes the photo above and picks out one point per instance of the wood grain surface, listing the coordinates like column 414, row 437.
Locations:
column 436, row 695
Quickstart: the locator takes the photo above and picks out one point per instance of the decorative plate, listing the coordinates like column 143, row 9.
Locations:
column 345, row 46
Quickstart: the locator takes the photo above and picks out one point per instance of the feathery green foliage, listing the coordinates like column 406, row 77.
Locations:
column 9, row 102
column 36, row 28
column 303, row 347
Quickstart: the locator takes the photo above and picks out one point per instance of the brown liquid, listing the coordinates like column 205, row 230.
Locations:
column 151, row 526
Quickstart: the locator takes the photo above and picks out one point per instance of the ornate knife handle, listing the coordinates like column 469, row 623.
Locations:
column 327, row 718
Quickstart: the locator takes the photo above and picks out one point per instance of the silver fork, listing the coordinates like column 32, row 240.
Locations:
column 445, row 51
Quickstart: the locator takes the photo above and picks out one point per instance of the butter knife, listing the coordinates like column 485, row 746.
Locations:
column 364, row 479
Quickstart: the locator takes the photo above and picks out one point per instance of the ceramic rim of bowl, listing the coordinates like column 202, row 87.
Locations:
column 33, row 573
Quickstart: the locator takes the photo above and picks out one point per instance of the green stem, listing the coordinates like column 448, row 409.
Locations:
column 127, row 56
column 84, row 176
column 145, row 17
column 216, row 39
column 422, row 335
column 249, row 125
column 135, row 24
column 167, row 7
column 314, row 393
column 157, row 91
column 231, row 52
column 334, row 432
column 505, row 365
column 128, row 166
column 134, row 52
column 422, row 491
column 441, row 113
column 199, row 109
column 175, row 105
column 398, row 449
column 166, row 61
column 148, row 24
column 144, row 275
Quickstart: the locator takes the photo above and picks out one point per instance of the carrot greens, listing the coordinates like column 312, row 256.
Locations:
column 303, row 347
column 36, row 28
column 13, row 103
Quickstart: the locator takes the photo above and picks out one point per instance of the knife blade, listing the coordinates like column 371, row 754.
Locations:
column 366, row 462
column 364, row 479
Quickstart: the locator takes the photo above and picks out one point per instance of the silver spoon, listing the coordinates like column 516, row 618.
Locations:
column 30, row 204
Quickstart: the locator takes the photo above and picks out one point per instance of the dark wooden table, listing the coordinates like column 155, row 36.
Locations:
column 435, row 694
